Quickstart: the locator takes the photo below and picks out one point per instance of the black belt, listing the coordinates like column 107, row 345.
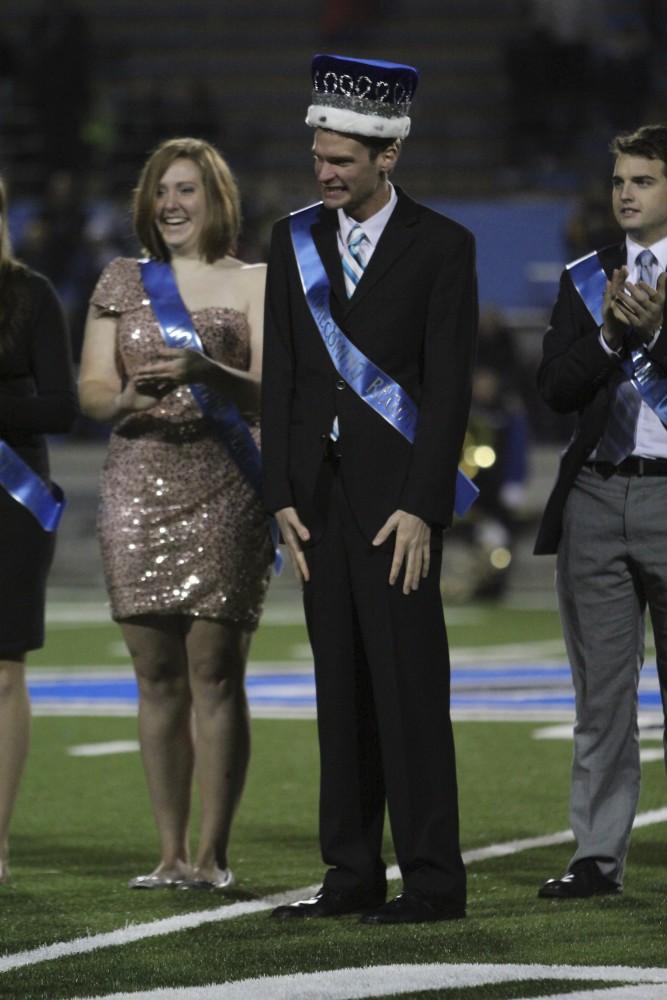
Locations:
column 634, row 465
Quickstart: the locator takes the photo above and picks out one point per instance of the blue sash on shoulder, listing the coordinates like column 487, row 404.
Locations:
column 374, row 386
column 27, row 488
column 178, row 331
column 590, row 281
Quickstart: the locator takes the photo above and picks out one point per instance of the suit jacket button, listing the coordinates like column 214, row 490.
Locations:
column 340, row 384
column 323, row 437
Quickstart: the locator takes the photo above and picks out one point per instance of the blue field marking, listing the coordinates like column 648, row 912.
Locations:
column 530, row 688
column 81, row 689
column 289, row 690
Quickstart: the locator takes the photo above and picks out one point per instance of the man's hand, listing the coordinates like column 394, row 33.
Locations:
column 412, row 546
column 642, row 306
column 616, row 323
column 294, row 532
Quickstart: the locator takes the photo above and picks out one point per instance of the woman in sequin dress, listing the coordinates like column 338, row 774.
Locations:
column 37, row 397
column 184, row 538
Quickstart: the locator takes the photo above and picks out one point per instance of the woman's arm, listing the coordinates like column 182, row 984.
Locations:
column 102, row 394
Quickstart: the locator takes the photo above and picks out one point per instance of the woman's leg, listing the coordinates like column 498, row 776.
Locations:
column 14, row 741
column 217, row 657
column 157, row 648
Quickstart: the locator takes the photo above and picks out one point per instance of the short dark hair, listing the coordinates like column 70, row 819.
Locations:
column 375, row 144
column 223, row 218
column 649, row 141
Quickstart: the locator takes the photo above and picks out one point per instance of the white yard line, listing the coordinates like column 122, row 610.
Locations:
column 384, row 980
column 170, row 925
column 103, row 749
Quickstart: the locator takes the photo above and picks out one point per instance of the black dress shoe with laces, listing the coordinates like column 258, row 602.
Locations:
column 329, row 903
column 583, row 879
column 414, row 908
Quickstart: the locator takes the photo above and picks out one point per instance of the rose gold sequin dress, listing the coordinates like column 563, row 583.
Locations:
column 181, row 529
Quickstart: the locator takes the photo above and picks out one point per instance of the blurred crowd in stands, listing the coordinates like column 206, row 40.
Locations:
column 576, row 70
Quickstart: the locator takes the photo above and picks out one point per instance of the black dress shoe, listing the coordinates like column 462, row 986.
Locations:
column 414, row 908
column 583, row 879
column 329, row 903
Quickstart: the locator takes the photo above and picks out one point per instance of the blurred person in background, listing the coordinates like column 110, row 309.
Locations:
column 37, row 397
column 185, row 543
column 549, row 66
column 496, row 451
column 58, row 77
column 605, row 358
column 54, row 243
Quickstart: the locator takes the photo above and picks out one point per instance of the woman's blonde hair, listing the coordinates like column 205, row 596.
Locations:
column 223, row 218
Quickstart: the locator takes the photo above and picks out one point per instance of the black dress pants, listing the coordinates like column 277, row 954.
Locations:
column 382, row 680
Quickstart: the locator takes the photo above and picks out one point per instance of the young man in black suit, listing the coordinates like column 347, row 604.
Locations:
column 605, row 357
column 369, row 337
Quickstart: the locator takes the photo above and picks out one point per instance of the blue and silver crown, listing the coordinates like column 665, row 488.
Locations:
column 362, row 96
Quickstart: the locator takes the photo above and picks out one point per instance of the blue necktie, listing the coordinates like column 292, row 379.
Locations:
column 645, row 262
column 354, row 260
column 618, row 440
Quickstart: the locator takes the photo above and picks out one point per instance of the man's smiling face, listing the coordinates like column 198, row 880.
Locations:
column 639, row 198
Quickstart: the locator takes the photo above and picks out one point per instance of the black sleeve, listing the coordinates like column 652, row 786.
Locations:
column 277, row 378
column 448, row 355
column 574, row 362
column 52, row 408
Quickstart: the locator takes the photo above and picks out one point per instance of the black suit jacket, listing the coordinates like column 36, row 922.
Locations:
column 414, row 313
column 574, row 375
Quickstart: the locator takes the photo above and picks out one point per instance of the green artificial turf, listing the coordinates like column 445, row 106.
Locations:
column 83, row 827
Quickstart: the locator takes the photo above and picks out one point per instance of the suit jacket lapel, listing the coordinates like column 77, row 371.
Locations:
column 612, row 257
column 397, row 236
column 325, row 236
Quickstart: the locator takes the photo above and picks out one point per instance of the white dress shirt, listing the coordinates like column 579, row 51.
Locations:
column 373, row 227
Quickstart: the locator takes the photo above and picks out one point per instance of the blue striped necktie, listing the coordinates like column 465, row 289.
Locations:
column 618, row 440
column 354, row 262
column 645, row 262
column 354, row 259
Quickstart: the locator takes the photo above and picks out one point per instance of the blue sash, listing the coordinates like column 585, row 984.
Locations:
column 27, row 488
column 374, row 386
column 590, row 281
column 178, row 331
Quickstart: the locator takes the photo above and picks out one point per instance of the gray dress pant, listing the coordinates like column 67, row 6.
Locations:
column 612, row 564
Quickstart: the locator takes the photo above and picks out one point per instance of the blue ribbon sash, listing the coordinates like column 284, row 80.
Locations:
column 27, row 488
column 590, row 281
column 178, row 331
column 647, row 379
column 373, row 385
